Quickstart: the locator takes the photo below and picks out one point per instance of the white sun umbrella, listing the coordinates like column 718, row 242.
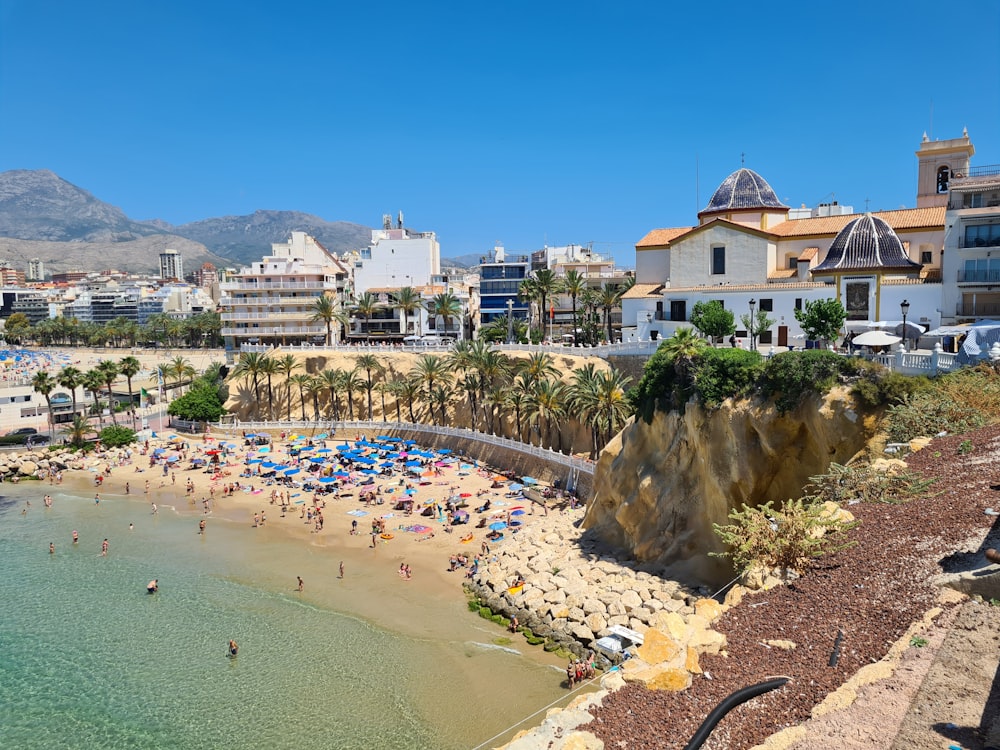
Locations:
column 875, row 338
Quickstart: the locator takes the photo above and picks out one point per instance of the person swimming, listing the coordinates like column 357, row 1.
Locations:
column 153, row 586
column 233, row 648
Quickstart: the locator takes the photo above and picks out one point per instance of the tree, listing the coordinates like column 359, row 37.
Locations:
column 44, row 383
column 71, row 378
column 822, row 319
column 93, row 381
column 681, row 349
column 756, row 324
column 109, row 373
column 301, row 381
column 713, row 320
column 200, row 404
column 286, row 366
column 251, row 366
column 325, row 309
column 77, row 431
column 270, row 368
column 431, row 370
column 17, row 328
column 547, row 285
column 367, row 305
column 352, row 382
column 180, row 368
column 408, row 302
column 369, row 363
column 447, row 306
column 609, row 298
column 574, row 284
column 129, row 367
column 333, row 380
column 528, row 292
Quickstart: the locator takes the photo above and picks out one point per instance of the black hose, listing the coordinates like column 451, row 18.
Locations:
column 728, row 704
column 835, row 656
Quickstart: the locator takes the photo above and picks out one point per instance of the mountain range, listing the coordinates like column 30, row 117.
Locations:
column 44, row 216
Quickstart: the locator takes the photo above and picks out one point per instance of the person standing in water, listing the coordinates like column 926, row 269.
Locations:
column 302, row 584
column 76, row 537
column 52, row 548
column 104, row 548
column 233, row 648
column 341, row 568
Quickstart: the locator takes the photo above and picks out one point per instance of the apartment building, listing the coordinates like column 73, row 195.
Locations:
column 397, row 257
column 273, row 300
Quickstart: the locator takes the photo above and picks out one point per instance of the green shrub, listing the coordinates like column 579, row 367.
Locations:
column 846, row 484
column 474, row 605
column 790, row 376
column 787, row 537
column 658, row 381
column 485, row 612
column 725, row 373
column 200, row 404
column 926, row 413
column 114, row 436
column 499, row 619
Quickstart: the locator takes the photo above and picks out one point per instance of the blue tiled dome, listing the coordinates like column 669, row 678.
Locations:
column 867, row 243
column 743, row 190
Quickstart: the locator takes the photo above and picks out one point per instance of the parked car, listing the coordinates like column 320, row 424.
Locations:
column 24, row 431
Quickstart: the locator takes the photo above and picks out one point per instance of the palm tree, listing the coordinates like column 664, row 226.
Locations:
column 609, row 298
column 352, row 382
column 547, row 407
column 448, row 306
column 369, row 363
column 301, row 380
column 431, row 370
column 367, row 305
column 129, row 367
column 71, row 378
column 77, row 430
column 333, row 380
column 325, row 309
column 251, row 365
column 470, row 384
column 314, row 387
column 44, row 383
column 681, row 348
column 109, row 373
column 93, row 381
column 286, row 366
column 547, row 285
column 180, row 368
column 409, row 388
column 528, row 292
column 538, row 366
column 395, row 388
column 269, row 369
column 574, row 285
column 613, row 407
column 518, row 400
column 440, row 396
column 408, row 302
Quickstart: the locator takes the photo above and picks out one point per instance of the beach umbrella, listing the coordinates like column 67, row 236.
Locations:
column 498, row 526
column 517, row 512
column 384, row 438
column 370, row 471
column 516, row 487
column 265, row 449
column 413, row 463
column 289, row 472
column 268, row 464
column 324, row 450
column 411, row 491
column 409, row 442
column 171, row 459
column 255, row 460
column 344, row 447
column 252, row 434
column 327, row 480
column 159, row 451
column 529, row 480
column 279, row 467
column 322, row 436
column 340, row 475
column 317, row 460
column 444, row 451
column 875, row 338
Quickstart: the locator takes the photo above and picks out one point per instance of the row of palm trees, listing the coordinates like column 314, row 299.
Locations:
column 101, row 377
column 201, row 330
column 544, row 285
column 522, row 398
column 407, row 300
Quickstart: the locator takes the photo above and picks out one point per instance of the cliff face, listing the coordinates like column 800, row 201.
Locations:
column 659, row 487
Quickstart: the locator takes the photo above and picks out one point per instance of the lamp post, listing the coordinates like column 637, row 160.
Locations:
column 510, row 321
column 904, row 308
column 753, row 343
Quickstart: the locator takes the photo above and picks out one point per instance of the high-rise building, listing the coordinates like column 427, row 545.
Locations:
column 36, row 270
column 171, row 265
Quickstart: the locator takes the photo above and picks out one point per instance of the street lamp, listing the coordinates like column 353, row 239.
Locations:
column 753, row 343
column 510, row 321
column 904, row 307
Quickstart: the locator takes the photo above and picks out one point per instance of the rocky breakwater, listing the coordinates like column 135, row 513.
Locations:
column 659, row 486
column 31, row 464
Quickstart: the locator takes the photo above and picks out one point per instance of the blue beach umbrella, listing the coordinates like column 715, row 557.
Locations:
column 529, row 480
column 268, row 465
column 327, row 480
column 289, row 472
column 280, row 467
column 518, row 512
column 255, row 461
column 498, row 526
column 444, row 451
column 322, row 436
column 515, row 487
column 324, row 450
column 370, row 471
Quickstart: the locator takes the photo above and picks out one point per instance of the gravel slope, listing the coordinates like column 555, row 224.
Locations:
column 871, row 592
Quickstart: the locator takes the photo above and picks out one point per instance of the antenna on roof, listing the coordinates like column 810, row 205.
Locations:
column 697, row 190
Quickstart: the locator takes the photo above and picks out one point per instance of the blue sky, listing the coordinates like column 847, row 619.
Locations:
column 523, row 122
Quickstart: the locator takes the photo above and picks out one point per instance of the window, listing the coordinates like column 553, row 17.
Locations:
column 798, row 303
column 793, row 262
column 718, row 260
column 926, row 256
column 943, row 175
column 678, row 310
column 765, row 337
column 982, row 235
column 767, row 305
column 972, row 200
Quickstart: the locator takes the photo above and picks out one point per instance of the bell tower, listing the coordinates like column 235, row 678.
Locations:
column 938, row 161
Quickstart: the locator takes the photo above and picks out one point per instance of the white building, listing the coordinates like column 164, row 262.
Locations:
column 36, row 270
column 273, row 301
column 171, row 265
column 748, row 246
column 397, row 257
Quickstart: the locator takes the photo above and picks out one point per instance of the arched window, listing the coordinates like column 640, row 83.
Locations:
column 943, row 175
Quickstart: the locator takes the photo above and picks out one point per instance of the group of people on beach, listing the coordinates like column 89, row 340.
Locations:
column 579, row 670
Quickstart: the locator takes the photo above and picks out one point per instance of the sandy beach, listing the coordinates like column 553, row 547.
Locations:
column 266, row 504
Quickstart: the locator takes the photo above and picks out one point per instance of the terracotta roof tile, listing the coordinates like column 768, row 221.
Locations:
column 638, row 291
column 783, row 273
column 661, row 237
column 808, row 254
column 906, row 218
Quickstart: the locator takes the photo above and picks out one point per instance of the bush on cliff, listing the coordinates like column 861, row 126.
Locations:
column 114, row 436
column 790, row 376
column 725, row 373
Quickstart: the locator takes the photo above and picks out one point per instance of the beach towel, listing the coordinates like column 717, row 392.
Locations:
column 358, row 513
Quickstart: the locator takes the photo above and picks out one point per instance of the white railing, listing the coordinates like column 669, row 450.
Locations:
column 228, row 286
column 276, row 331
column 932, row 363
column 643, row 348
column 376, row 428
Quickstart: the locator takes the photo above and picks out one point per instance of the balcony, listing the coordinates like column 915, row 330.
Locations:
column 264, row 286
column 978, row 309
column 319, row 330
column 979, row 276
column 271, row 315
column 966, row 243
column 266, row 301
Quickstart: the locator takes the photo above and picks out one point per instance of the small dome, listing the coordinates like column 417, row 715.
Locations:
column 743, row 190
column 867, row 243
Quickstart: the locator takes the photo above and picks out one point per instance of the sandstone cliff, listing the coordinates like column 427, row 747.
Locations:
column 659, row 487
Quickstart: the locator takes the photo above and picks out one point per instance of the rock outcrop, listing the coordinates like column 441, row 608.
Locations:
column 660, row 486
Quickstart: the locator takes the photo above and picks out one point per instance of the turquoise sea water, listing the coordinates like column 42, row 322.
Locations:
column 89, row 659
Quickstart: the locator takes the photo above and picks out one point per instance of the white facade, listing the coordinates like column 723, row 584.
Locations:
column 36, row 270
column 397, row 257
column 171, row 265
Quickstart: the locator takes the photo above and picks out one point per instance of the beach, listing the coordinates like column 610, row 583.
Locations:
column 405, row 654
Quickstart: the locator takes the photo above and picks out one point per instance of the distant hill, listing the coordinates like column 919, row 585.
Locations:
column 244, row 239
column 463, row 261
column 44, row 216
